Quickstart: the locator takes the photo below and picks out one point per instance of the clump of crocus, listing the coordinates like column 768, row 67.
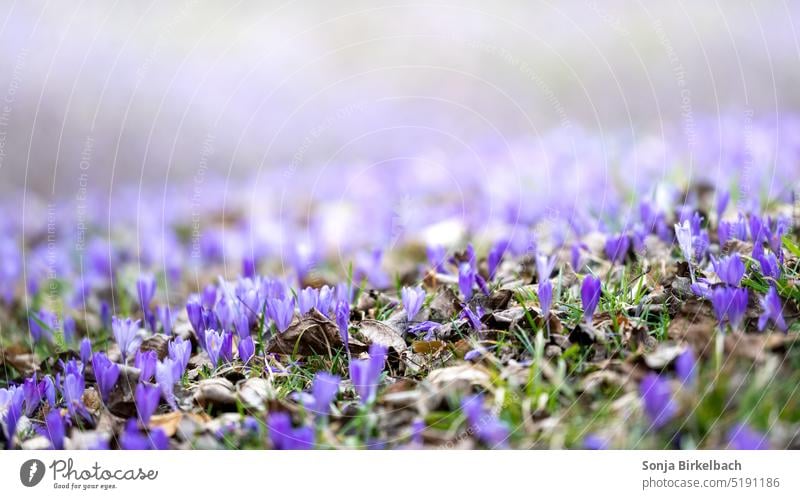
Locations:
column 133, row 439
column 729, row 269
column 285, row 437
column 106, row 373
column 772, row 310
column 487, row 427
column 590, row 296
column 146, row 397
column 659, row 404
column 365, row 373
column 412, row 298
column 126, row 334
column 743, row 437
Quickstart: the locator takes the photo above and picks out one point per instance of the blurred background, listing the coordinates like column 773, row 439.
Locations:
column 97, row 94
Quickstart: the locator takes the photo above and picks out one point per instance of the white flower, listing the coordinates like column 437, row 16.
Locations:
column 683, row 232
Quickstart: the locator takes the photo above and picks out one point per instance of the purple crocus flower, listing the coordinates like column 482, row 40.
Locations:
column 683, row 232
column 343, row 321
column 214, row 344
column 165, row 378
column 544, row 267
column 106, row 373
column 54, row 429
column 48, row 388
column 32, row 391
column 145, row 362
column 365, row 373
column 307, row 299
column 413, row 298
column 11, row 401
column 427, row 327
column 686, row 367
column 72, row 390
column 743, row 437
column 146, row 397
column 281, row 311
column 466, row 279
column 246, row 348
column 773, row 310
column 42, row 324
column 86, row 350
column 617, row 247
column 474, row 318
column 488, row 428
column 286, row 437
column 590, row 296
column 164, row 314
column 730, row 305
column 545, row 289
column 436, row 257
column 133, row 439
column 323, row 392
column 325, row 300
column 180, row 350
column 126, row 333
column 146, row 290
column 69, row 328
column 769, row 265
column 495, row 256
column 656, row 395
column 194, row 309
column 730, row 269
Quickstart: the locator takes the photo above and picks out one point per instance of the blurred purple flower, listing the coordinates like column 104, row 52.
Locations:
column 427, row 327
column 730, row 269
column 683, row 232
column 86, row 350
column 343, row 321
column 106, row 374
column 495, row 256
column 769, row 265
column 474, row 318
column 246, row 348
column 166, row 380
column 365, row 373
column 617, row 247
column 133, row 439
column 164, row 314
column 686, row 367
column 54, row 429
column 436, row 257
column 42, row 324
column 325, row 300
column 126, row 334
column 595, row 442
column 307, row 299
column 33, row 391
column 487, row 427
column 286, row 437
column 730, row 305
column 145, row 362
column 656, row 395
column 773, row 310
column 11, row 401
column 180, row 351
column 147, row 397
column 281, row 311
column 146, row 291
column 590, row 296
column 545, row 290
column 214, row 345
column 323, row 392
column 466, row 279
column 743, row 437
column 413, row 298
